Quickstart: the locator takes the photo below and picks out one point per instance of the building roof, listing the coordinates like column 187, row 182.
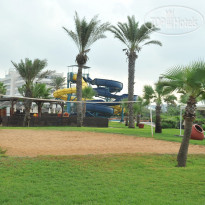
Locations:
column 7, row 98
column 85, row 67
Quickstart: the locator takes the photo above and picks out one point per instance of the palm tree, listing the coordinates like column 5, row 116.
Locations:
column 30, row 70
column 58, row 82
column 85, row 34
column 171, row 104
column 125, row 110
column 39, row 90
column 87, row 93
column 138, row 108
column 2, row 88
column 187, row 80
column 134, row 38
column 155, row 95
column 184, row 99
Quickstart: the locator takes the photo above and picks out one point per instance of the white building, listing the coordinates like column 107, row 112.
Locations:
column 13, row 81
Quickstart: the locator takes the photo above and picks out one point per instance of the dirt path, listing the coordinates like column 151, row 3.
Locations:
column 34, row 143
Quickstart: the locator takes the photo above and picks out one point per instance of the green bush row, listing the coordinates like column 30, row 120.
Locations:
column 170, row 121
column 174, row 122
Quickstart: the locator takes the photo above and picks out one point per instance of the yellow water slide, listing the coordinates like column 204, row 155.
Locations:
column 63, row 93
column 117, row 109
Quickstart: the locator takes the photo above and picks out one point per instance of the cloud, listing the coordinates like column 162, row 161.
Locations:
column 34, row 29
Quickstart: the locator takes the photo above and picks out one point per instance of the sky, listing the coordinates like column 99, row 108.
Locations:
column 33, row 29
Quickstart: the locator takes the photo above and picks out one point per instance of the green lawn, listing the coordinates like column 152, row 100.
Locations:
column 102, row 179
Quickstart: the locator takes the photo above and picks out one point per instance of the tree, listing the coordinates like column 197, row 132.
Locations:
column 184, row 98
column 87, row 93
column 170, row 100
column 38, row 90
column 30, row 70
column 2, row 88
column 134, row 38
column 187, row 80
column 171, row 104
column 58, row 82
column 41, row 91
column 86, row 33
column 138, row 108
column 125, row 110
column 155, row 95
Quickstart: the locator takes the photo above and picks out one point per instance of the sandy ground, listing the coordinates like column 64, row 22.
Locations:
column 33, row 143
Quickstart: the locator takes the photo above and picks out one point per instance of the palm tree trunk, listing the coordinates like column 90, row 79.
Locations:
column 183, row 151
column 189, row 117
column 27, row 105
column 131, row 75
column 39, row 108
column 84, row 108
column 79, row 97
column 158, row 127
column 27, row 116
column 126, row 121
column 138, row 118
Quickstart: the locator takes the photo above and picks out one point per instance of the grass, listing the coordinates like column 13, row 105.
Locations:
column 102, row 179
column 119, row 128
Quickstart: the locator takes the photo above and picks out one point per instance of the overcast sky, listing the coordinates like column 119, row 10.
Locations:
column 33, row 29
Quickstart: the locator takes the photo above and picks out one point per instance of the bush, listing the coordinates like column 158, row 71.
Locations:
column 203, row 126
column 166, row 125
column 170, row 122
column 199, row 121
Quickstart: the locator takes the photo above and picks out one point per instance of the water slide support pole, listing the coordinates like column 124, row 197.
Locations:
column 69, row 95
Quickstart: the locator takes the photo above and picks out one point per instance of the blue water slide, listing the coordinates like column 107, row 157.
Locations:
column 114, row 86
column 109, row 86
column 121, row 97
column 105, row 88
column 104, row 92
column 101, row 110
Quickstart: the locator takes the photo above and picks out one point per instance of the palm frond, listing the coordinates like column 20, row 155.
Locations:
column 170, row 99
column 40, row 90
column 74, row 36
column 97, row 32
column 148, row 93
column 86, row 33
column 22, row 90
column 44, row 74
column 88, row 92
column 132, row 36
column 29, row 69
column 186, row 79
column 58, row 82
column 153, row 42
column 119, row 35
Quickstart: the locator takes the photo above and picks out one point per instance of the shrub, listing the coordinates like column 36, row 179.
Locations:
column 203, row 126
column 199, row 121
column 170, row 121
column 166, row 125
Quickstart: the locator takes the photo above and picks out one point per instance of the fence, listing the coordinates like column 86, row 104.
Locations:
column 49, row 120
